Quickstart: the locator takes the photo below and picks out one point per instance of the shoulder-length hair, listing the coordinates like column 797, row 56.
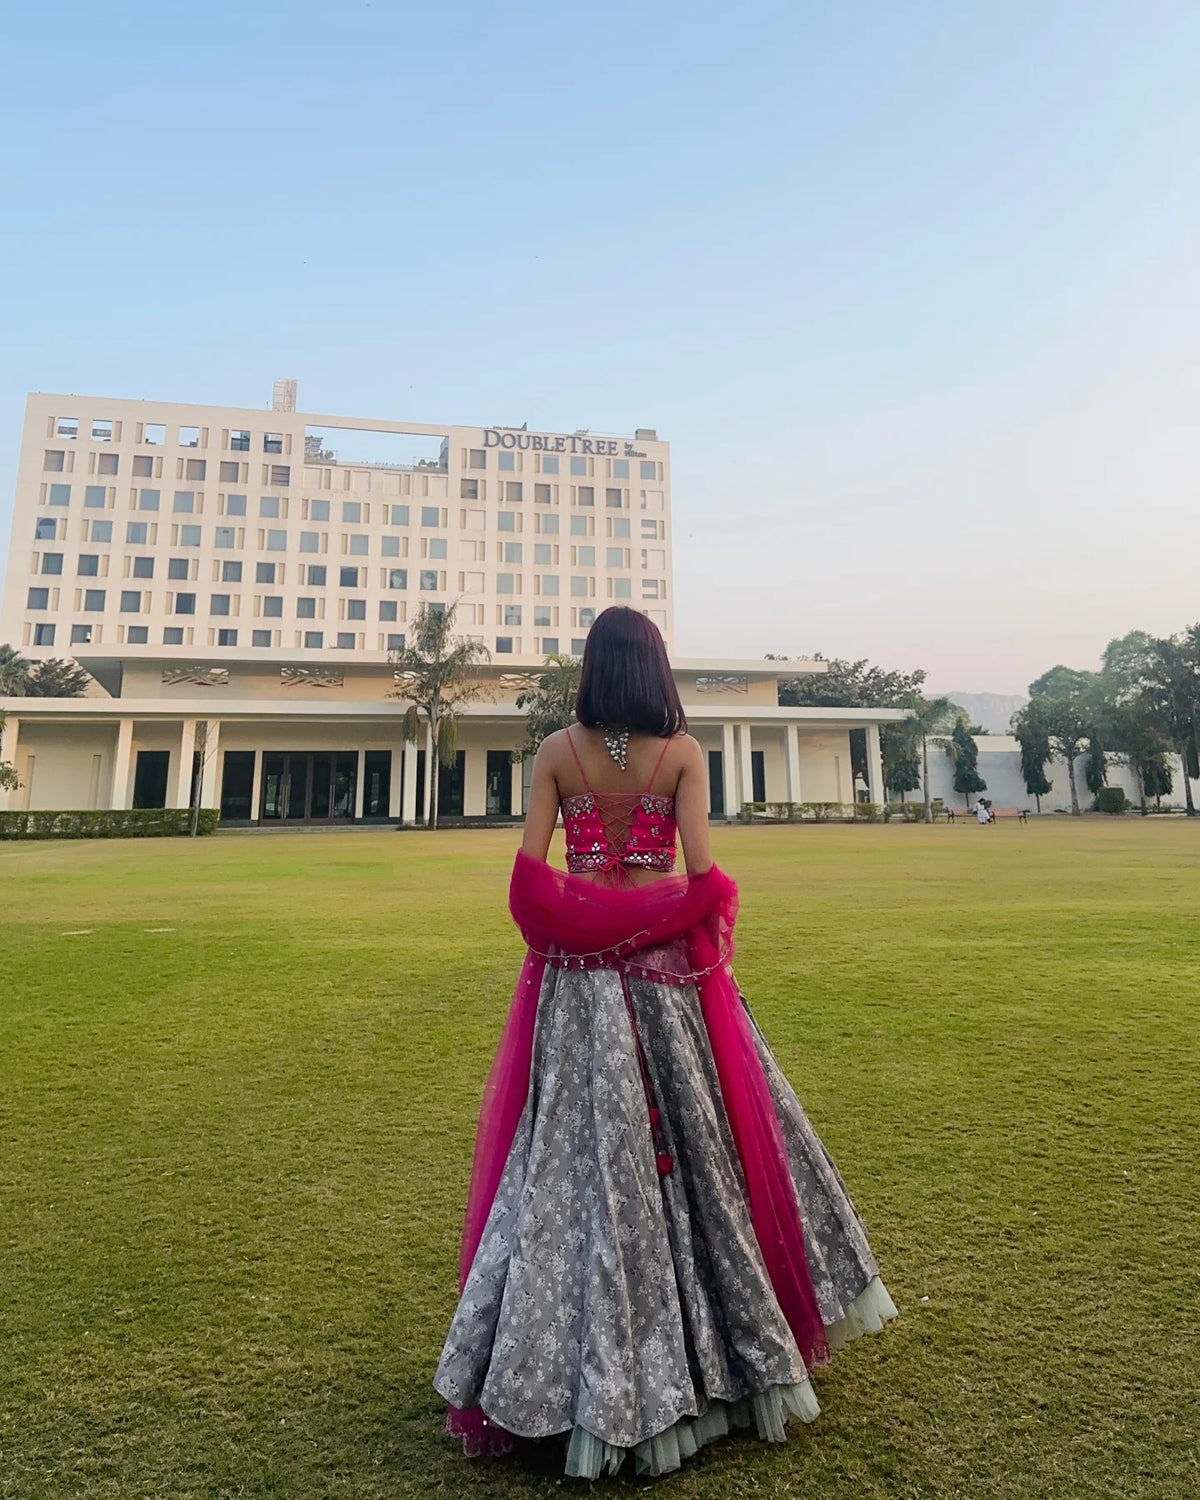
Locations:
column 626, row 679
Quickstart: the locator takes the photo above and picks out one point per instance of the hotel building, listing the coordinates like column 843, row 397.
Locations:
column 234, row 580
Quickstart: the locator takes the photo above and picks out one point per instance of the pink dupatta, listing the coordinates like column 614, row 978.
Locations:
column 571, row 922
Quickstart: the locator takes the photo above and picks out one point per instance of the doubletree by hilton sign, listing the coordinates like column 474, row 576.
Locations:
column 545, row 442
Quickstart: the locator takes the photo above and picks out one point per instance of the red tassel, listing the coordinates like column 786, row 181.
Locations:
column 665, row 1162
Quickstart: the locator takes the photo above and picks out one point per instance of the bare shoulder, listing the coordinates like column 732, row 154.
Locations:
column 688, row 750
column 554, row 749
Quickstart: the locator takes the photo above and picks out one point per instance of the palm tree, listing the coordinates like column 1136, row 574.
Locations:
column 434, row 675
column 15, row 673
column 550, row 705
column 930, row 719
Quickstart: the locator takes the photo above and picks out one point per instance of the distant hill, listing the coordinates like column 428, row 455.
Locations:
column 991, row 711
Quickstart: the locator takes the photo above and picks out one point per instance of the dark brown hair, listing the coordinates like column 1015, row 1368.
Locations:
column 626, row 680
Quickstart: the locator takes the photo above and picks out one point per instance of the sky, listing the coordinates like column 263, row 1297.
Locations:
column 911, row 290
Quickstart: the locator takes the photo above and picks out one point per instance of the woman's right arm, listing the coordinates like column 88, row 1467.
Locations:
column 691, row 809
column 542, row 812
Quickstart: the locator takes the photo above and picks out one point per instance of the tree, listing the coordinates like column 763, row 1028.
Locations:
column 929, row 719
column 964, row 753
column 901, row 761
column 849, row 684
column 1155, row 684
column 435, row 677
column 58, row 679
column 14, row 673
column 1071, row 707
column 550, row 705
column 9, row 780
column 1036, row 752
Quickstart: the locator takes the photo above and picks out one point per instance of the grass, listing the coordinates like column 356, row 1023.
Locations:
column 233, row 1155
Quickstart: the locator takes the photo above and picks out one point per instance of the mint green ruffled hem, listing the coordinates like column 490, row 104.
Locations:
column 589, row 1456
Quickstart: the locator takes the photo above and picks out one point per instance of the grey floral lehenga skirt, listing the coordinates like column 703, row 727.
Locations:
column 622, row 1308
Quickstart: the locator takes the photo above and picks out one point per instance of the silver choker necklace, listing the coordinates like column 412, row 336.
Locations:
column 617, row 741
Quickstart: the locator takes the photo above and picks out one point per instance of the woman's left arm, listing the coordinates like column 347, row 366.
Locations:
column 542, row 812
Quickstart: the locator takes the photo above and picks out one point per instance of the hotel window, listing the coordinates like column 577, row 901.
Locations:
column 314, row 574
column 51, row 562
column 506, row 583
column 543, row 552
column 653, row 500
column 587, row 618
column 542, row 494
column 620, row 588
column 260, row 637
column 148, row 499
column 388, row 610
column 189, row 536
column 583, row 557
column 272, row 607
column 276, row 541
column 348, row 578
column 229, row 472
column 45, row 529
column 136, row 635
column 235, row 505
column 504, row 645
column 281, row 474
column 581, row 588
column 579, row 466
column 581, row 525
column 226, row 536
column 185, row 604
column 142, row 567
column 649, row 530
column 616, row 557
column 93, row 600
column 143, row 466
column 395, row 643
column 356, row 609
column 358, row 544
column 468, row 489
column 314, row 640
column 541, row 615
column 654, row 557
column 272, row 442
column 218, row 604
column 226, row 637
column 548, row 584
column 67, row 427
column 620, row 468
column 476, row 458
column 231, row 572
column 38, row 599
column 578, row 647
column 514, row 490
column 399, row 515
column 195, row 468
column 549, row 645
column 55, row 460
column 95, row 497
column 306, row 609
column 239, row 440
column 131, row 601
column 58, row 494
column 173, row 635
column 548, row 525
column 438, row 547
column 264, row 572
column 185, row 502
column 189, row 437
column 81, row 635
column 613, row 499
column 88, row 565
column 100, row 531
column 346, row 640
column 429, row 578
column 431, row 515
column 43, row 635
column 618, row 526
column 512, row 552
column 650, row 588
column 397, row 578
column 506, row 521
column 512, row 614
column 549, row 463
column 506, row 462
column 585, row 494
column 177, row 568
column 389, row 546
column 154, row 434
column 310, row 541
column 648, row 469
column 351, row 513
column 268, row 507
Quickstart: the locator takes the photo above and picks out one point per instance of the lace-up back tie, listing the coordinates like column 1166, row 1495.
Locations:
column 609, row 832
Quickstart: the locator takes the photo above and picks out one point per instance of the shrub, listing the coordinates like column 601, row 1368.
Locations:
column 106, row 823
column 868, row 812
column 1112, row 799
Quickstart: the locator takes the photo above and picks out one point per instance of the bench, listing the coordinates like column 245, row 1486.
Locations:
column 960, row 815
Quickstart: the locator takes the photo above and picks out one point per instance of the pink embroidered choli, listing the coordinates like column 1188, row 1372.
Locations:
column 609, row 832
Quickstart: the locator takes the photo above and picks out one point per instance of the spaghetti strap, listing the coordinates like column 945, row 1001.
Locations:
column 578, row 762
column 658, row 762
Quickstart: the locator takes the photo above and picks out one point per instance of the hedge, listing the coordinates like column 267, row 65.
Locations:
column 810, row 812
column 107, row 823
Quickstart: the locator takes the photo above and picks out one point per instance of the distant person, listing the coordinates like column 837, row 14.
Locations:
column 983, row 812
column 657, row 1247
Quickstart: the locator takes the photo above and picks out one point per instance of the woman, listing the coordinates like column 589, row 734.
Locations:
column 657, row 1247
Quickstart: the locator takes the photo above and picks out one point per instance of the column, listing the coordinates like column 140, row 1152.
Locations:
column 395, row 785
column 359, row 787
column 8, row 752
column 518, row 789
column 729, row 771
column 430, row 773
column 120, row 781
column 256, row 789
column 187, row 748
column 746, row 765
column 408, row 814
column 875, row 787
column 209, row 789
column 791, row 745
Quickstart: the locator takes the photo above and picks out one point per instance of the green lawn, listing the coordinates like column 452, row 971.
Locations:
column 238, row 1090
